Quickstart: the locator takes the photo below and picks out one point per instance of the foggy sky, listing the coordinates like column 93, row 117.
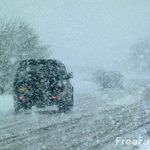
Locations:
column 85, row 32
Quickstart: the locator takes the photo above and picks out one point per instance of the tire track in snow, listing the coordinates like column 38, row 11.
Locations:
column 67, row 125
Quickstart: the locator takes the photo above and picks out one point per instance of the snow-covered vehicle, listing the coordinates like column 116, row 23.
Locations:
column 42, row 83
column 111, row 79
column 96, row 75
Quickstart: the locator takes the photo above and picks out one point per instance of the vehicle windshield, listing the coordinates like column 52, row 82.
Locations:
column 37, row 68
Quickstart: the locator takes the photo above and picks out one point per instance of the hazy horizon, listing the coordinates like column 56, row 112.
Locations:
column 85, row 32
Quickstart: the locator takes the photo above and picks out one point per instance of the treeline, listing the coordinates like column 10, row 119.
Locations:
column 17, row 42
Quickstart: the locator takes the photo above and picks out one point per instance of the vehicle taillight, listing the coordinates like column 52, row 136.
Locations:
column 21, row 98
column 53, row 97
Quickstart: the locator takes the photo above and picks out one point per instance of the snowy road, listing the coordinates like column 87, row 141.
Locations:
column 95, row 122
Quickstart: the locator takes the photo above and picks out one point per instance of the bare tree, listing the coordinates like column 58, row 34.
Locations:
column 17, row 42
column 140, row 56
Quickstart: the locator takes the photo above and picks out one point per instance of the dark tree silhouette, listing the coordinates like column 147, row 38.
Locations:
column 140, row 56
column 17, row 42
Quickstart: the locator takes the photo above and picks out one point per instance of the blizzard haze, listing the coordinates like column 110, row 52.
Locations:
column 85, row 32
column 87, row 36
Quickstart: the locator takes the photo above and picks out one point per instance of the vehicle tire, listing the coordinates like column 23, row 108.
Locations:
column 18, row 106
column 67, row 105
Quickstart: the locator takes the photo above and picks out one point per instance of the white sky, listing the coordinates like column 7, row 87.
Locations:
column 85, row 32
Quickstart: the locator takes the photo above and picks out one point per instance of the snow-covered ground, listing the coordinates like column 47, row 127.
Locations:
column 147, row 147
column 97, row 119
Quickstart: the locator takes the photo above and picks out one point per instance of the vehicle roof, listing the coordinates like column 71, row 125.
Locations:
column 49, row 63
column 41, row 61
column 30, row 61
